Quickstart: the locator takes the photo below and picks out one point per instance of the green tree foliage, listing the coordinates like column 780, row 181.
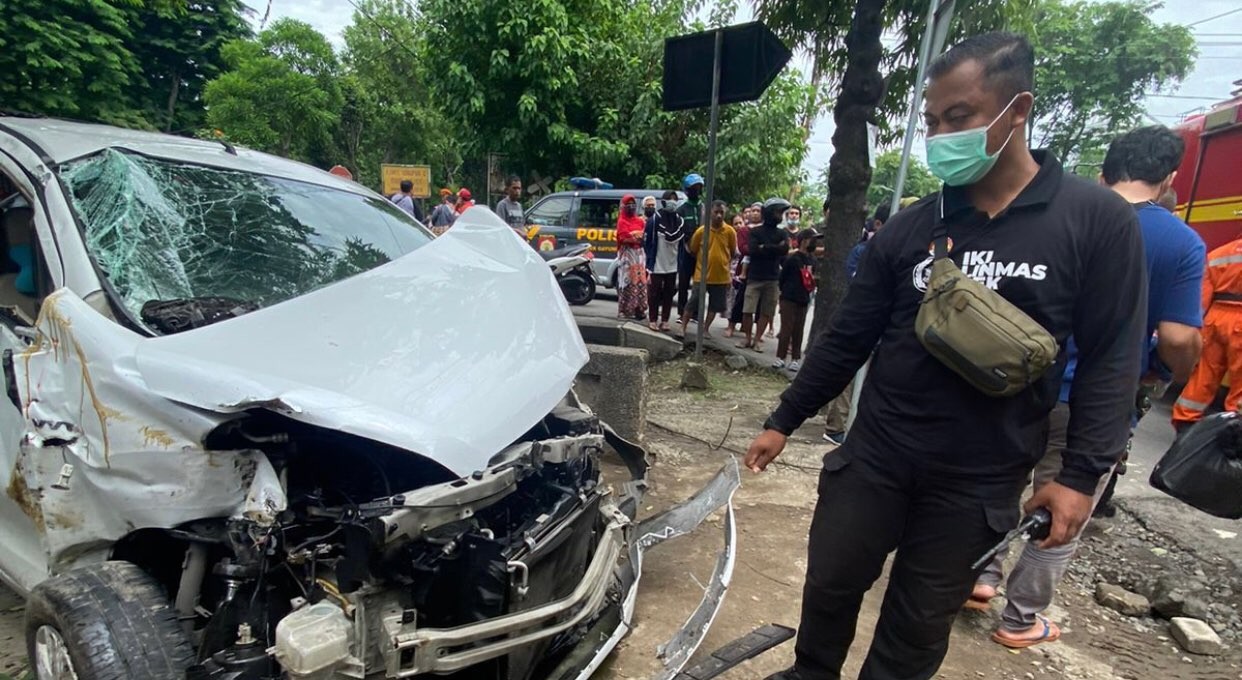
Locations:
column 874, row 82
column 572, row 87
column 1094, row 61
column 281, row 93
column 919, row 180
column 820, row 27
column 510, row 73
column 67, row 58
column 389, row 115
column 760, row 148
column 178, row 50
column 128, row 62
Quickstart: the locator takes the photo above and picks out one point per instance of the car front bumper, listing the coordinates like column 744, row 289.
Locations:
column 603, row 600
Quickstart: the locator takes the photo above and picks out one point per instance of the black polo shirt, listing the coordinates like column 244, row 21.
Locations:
column 1066, row 251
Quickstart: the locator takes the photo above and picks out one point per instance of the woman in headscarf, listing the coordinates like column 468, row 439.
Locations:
column 631, row 261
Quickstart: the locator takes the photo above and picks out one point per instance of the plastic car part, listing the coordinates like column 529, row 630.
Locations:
column 174, row 316
column 742, row 649
column 314, row 640
column 677, row 521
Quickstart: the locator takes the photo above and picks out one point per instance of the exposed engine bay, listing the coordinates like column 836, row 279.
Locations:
column 373, row 572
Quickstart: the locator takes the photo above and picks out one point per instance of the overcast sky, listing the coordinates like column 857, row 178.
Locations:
column 1220, row 57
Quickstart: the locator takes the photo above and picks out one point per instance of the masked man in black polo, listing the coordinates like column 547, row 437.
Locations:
column 933, row 467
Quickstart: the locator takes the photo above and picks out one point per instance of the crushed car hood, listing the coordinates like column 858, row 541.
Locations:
column 452, row 352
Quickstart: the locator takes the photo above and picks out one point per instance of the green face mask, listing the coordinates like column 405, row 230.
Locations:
column 962, row 158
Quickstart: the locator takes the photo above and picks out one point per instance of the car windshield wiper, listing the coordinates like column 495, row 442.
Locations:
column 183, row 314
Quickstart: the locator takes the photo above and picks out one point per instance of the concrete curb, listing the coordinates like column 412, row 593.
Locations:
column 614, row 384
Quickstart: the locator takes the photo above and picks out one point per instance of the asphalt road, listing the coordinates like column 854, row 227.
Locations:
column 1196, row 531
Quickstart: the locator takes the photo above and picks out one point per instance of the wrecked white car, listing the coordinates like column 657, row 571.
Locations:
column 260, row 424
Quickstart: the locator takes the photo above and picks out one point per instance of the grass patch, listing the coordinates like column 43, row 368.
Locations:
column 725, row 383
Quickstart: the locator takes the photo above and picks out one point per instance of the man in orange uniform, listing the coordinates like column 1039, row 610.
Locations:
column 1222, row 337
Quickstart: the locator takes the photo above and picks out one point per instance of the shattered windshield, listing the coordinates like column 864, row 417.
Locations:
column 165, row 231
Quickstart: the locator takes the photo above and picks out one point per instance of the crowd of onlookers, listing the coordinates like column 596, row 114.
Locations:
column 759, row 269
column 451, row 205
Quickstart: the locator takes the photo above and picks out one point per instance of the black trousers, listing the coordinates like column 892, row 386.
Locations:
column 793, row 327
column 938, row 523
column 685, row 272
column 739, row 301
column 660, row 291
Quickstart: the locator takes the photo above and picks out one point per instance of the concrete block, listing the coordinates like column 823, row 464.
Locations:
column 1121, row 600
column 659, row 346
column 1195, row 636
column 614, row 385
column 613, row 333
column 598, row 330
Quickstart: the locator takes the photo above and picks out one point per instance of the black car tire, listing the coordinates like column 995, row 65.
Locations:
column 578, row 289
column 114, row 622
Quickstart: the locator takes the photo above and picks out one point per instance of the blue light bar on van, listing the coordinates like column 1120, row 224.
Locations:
column 585, row 183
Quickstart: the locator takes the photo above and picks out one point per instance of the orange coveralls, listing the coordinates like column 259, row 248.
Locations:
column 1222, row 337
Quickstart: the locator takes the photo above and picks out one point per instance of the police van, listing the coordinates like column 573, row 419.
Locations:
column 569, row 218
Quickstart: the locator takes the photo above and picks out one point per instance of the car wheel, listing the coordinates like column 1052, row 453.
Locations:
column 579, row 289
column 108, row 621
column 613, row 284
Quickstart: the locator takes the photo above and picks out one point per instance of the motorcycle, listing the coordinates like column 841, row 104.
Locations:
column 572, row 267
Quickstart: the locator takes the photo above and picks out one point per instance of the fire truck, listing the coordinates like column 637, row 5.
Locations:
column 1209, row 181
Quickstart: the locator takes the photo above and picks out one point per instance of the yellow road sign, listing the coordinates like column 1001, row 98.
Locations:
column 420, row 175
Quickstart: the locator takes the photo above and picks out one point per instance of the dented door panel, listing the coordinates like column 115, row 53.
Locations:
column 26, row 563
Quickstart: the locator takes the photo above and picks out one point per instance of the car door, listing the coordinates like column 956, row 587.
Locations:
column 597, row 225
column 549, row 223
column 23, row 561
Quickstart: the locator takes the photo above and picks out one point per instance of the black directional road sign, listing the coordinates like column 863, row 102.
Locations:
column 751, row 57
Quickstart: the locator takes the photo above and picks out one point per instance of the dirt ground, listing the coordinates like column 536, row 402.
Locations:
column 773, row 516
column 685, row 432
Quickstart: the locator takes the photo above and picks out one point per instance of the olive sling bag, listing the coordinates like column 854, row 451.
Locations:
column 976, row 332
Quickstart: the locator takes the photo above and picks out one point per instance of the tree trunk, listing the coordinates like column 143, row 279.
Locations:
column 172, row 99
column 849, row 172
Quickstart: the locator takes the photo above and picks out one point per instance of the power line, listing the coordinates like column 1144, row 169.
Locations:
column 1222, row 14
column 1181, row 96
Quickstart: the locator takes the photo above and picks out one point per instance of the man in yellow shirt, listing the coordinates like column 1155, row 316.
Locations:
column 721, row 248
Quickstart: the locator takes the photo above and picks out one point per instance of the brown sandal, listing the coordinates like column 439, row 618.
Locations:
column 1051, row 634
column 979, row 601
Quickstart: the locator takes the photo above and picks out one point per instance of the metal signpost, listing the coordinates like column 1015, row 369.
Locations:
column 939, row 16
column 744, row 60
